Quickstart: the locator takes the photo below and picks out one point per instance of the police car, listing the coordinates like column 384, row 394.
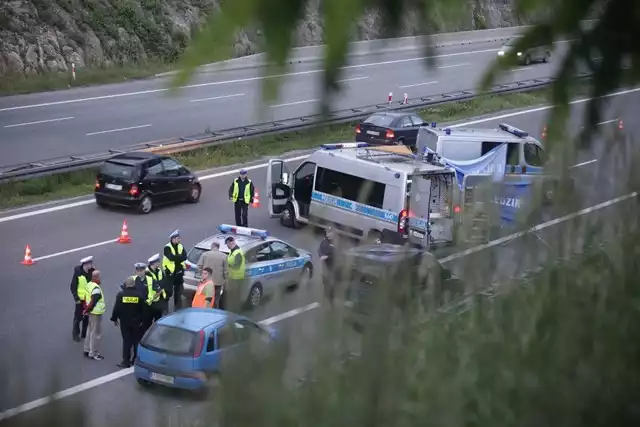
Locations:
column 271, row 264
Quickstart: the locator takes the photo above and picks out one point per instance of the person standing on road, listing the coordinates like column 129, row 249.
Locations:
column 173, row 264
column 217, row 262
column 81, row 277
column 95, row 309
column 327, row 253
column 128, row 313
column 205, row 292
column 236, row 262
column 241, row 194
column 161, row 303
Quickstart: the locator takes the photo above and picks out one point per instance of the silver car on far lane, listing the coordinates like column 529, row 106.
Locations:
column 271, row 264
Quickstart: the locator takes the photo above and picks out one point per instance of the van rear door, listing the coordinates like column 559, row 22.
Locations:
column 431, row 208
column 278, row 188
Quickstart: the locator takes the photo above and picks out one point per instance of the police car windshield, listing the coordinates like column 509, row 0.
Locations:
column 171, row 340
column 194, row 255
column 380, row 120
column 118, row 170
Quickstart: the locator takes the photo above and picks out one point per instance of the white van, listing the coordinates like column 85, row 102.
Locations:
column 361, row 190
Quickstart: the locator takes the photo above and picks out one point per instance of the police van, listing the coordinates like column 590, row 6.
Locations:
column 362, row 191
column 525, row 154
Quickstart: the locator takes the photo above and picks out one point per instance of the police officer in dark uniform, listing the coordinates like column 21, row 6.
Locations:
column 241, row 194
column 128, row 312
column 327, row 253
column 161, row 301
column 81, row 277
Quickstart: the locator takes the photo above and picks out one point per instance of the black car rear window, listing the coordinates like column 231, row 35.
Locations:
column 118, row 170
column 170, row 339
column 380, row 120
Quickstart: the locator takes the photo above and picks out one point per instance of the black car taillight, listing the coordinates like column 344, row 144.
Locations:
column 358, row 130
column 390, row 134
column 134, row 190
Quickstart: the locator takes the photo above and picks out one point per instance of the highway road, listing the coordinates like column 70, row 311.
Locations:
column 95, row 119
column 35, row 311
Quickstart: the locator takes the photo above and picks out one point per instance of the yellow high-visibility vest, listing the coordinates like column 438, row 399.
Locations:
column 236, row 191
column 82, row 288
column 100, row 306
column 169, row 265
column 238, row 271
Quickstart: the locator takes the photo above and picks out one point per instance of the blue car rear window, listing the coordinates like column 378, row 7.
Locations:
column 170, row 339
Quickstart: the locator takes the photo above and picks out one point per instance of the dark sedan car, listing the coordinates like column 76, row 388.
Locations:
column 143, row 180
column 387, row 128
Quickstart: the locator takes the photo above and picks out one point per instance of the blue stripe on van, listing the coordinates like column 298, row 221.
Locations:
column 348, row 205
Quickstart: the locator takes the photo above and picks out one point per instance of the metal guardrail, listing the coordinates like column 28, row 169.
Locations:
column 177, row 145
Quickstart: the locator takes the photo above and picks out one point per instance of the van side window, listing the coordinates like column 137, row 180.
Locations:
column 533, row 155
column 350, row 187
column 513, row 155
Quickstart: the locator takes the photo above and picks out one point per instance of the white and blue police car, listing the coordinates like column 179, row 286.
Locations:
column 272, row 265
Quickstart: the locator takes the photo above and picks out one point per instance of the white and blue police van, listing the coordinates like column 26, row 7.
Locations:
column 361, row 191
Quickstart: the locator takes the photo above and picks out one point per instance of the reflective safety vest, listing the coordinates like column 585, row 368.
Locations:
column 169, row 265
column 200, row 299
column 236, row 191
column 100, row 306
column 236, row 272
column 82, row 288
column 155, row 276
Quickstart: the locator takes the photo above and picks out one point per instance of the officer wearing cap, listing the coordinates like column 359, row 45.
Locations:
column 141, row 285
column 128, row 313
column 79, row 281
column 241, row 194
column 173, row 264
column 156, row 296
column 155, row 272
column 231, row 298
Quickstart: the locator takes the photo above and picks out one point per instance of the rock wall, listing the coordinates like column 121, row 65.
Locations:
column 38, row 36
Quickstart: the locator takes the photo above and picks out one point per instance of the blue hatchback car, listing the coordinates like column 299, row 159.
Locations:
column 184, row 349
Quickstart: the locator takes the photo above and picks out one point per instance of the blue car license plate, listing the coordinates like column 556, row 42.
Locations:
column 162, row 378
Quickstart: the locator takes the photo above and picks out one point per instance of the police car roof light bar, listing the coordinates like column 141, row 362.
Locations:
column 513, row 130
column 243, row 231
column 344, row 145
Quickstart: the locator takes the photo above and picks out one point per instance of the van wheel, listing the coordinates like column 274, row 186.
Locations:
column 288, row 217
column 374, row 237
column 146, row 205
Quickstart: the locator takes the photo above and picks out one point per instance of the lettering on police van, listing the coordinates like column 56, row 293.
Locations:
column 389, row 216
column 510, row 202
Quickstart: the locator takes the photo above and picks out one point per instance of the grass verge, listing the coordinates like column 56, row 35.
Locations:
column 37, row 190
column 19, row 84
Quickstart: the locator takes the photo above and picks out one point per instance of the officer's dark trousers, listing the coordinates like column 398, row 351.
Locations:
column 78, row 318
column 329, row 285
column 218, row 299
column 130, row 339
column 178, row 287
column 151, row 314
column 242, row 212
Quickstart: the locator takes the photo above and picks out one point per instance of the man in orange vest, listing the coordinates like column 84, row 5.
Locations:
column 204, row 297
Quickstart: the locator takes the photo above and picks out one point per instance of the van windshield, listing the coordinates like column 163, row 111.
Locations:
column 170, row 339
column 118, row 170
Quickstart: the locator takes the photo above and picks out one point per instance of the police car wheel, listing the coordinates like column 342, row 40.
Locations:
column 146, row 205
column 255, row 296
column 305, row 276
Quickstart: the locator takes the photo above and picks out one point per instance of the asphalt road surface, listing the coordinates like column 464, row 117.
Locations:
column 95, row 119
column 36, row 308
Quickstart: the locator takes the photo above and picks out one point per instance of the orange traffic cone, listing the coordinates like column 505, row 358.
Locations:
column 620, row 125
column 544, row 132
column 256, row 200
column 27, row 257
column 124, row 234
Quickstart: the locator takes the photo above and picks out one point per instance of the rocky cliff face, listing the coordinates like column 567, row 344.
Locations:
column 38, row 36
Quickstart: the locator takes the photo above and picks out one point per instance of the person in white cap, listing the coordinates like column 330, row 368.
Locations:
column 241, row 194
column 156, row 296
column 173, row 264
column 81, row 277
column 155, row 272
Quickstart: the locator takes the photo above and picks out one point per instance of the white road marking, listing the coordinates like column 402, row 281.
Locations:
column 521, row 69
column 352, row 79
column 118, row 130
column 124, row 372
column 217, row 97
column 588, row 162
column 70, row 251
column 294, row 103
column 39, row 122
column 293, row 159
column 606, row 122
column 454, row 65
column 419, row 84
column 539, row 227
column 248, row 79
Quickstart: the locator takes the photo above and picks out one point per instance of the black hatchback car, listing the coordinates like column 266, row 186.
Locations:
column 143, row 180
column 390, row 127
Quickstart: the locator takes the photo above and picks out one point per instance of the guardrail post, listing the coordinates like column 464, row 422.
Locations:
column 73, row 71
